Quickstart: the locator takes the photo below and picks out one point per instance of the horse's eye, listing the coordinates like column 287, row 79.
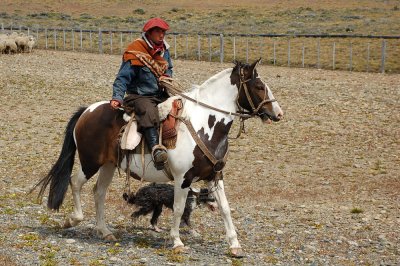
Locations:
column 260, row 88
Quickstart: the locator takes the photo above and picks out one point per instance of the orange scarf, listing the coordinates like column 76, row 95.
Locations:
column 140, row 54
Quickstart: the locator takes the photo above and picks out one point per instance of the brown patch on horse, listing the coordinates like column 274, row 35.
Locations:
column 211, row 121
column 218, row 145
column 94, row 132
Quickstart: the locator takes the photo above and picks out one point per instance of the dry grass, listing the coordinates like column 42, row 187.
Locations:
column 6, row 260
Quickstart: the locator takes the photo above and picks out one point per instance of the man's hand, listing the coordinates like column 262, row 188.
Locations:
column 115, row 104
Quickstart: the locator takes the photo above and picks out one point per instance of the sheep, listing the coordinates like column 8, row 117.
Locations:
column 2, row 46
column 31, row 43
column 3, row 36
column 11, row 46
column 22, row 43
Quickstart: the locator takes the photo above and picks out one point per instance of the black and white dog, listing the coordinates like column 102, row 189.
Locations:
column 152, row 198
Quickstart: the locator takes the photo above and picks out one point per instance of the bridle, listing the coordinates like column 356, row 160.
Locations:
column 243, row 85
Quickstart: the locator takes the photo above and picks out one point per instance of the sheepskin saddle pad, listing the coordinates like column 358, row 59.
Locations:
column 168, row 112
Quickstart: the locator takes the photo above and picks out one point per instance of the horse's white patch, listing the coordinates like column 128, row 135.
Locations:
column 275, row 105
column 126, row 117
column 151, row 174
column 92, row 107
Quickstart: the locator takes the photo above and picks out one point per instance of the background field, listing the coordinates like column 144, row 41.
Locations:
column 270, row 16
column 319, row 187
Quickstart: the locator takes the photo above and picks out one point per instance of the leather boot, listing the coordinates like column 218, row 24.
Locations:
column 158, row 152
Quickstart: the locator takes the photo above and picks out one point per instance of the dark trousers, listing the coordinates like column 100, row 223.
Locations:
column 145, row 108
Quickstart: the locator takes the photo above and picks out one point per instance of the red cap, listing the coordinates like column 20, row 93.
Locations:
column 155, row 22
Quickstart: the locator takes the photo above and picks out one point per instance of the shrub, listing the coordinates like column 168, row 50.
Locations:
column 139, row 11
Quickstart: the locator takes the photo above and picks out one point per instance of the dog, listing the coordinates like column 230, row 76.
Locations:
column 152, row 198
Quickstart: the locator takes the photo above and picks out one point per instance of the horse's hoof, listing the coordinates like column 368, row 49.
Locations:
column 110, row 238
column 181, row 249
column 237, row 253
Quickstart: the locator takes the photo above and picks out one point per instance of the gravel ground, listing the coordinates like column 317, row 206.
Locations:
column 320, row 187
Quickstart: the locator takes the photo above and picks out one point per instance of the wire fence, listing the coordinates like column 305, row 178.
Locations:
column 338, row 52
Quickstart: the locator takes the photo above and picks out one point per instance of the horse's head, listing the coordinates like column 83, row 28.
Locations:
column 254, row 95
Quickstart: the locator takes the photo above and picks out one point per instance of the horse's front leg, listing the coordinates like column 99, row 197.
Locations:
column 100, row 189
column 220, row 197
column 180, row 196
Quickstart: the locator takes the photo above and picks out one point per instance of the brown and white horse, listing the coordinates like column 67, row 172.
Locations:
column 94, row 131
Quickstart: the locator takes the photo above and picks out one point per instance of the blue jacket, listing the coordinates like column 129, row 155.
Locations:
column 138, row 80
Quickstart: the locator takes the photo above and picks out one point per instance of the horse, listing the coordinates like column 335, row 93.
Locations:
column 200, row 153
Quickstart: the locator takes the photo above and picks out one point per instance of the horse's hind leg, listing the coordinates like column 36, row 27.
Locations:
column 219, row 194
column 100, row 189
column 77, row 181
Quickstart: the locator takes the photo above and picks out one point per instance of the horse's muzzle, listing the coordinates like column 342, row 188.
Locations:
column 266, row 117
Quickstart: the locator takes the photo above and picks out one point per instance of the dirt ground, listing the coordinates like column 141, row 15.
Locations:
column 321, row 186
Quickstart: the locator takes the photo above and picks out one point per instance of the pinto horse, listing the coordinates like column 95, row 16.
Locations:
column 93, row 132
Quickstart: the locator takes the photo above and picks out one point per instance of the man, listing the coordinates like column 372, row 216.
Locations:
column 145, row 62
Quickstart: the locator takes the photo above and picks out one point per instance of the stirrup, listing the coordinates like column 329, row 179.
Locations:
column 160, row 156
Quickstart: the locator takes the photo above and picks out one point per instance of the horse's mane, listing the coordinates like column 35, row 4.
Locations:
column 215, row 77
column 205, row 84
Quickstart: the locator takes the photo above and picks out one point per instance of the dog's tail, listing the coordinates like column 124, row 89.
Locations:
column 129, row 198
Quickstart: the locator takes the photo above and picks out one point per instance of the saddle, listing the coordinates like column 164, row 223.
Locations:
column 168, row 111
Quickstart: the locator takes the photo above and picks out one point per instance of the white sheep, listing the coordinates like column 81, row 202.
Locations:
column 22, row 43
column 31, row 43
column 2, row 45
column 11, row 46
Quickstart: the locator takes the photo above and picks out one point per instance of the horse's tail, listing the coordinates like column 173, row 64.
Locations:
column 59, row 175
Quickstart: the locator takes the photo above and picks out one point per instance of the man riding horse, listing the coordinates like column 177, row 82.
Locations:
column 145, row 62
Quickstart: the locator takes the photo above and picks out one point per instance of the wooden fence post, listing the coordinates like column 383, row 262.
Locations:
column 2, row 27
column 274, row 53
column 175, row 54
column 37, row 36
column 45, row 33
column 120, row 43
column 64, row 39
column 111, row 42
column 247, row 50
column 28, row 31
column 333, row 55
column 209, row 48
column 383, row 56
column 368, row 57
column 318, row 53
column 221, row 49
column 351, row 57
column 55, row 39
column 234, row 48
column 198, row 48
column 187, row 48
column 90, row 40
column 302, row 55
column 288, row 62
column 81, row 38
column 73, row 39
column 100, row 41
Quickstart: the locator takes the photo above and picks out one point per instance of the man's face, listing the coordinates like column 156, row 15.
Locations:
column 156, row 35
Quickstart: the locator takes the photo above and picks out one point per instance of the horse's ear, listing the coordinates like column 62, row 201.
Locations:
column 255, row 64
column 237, row 63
